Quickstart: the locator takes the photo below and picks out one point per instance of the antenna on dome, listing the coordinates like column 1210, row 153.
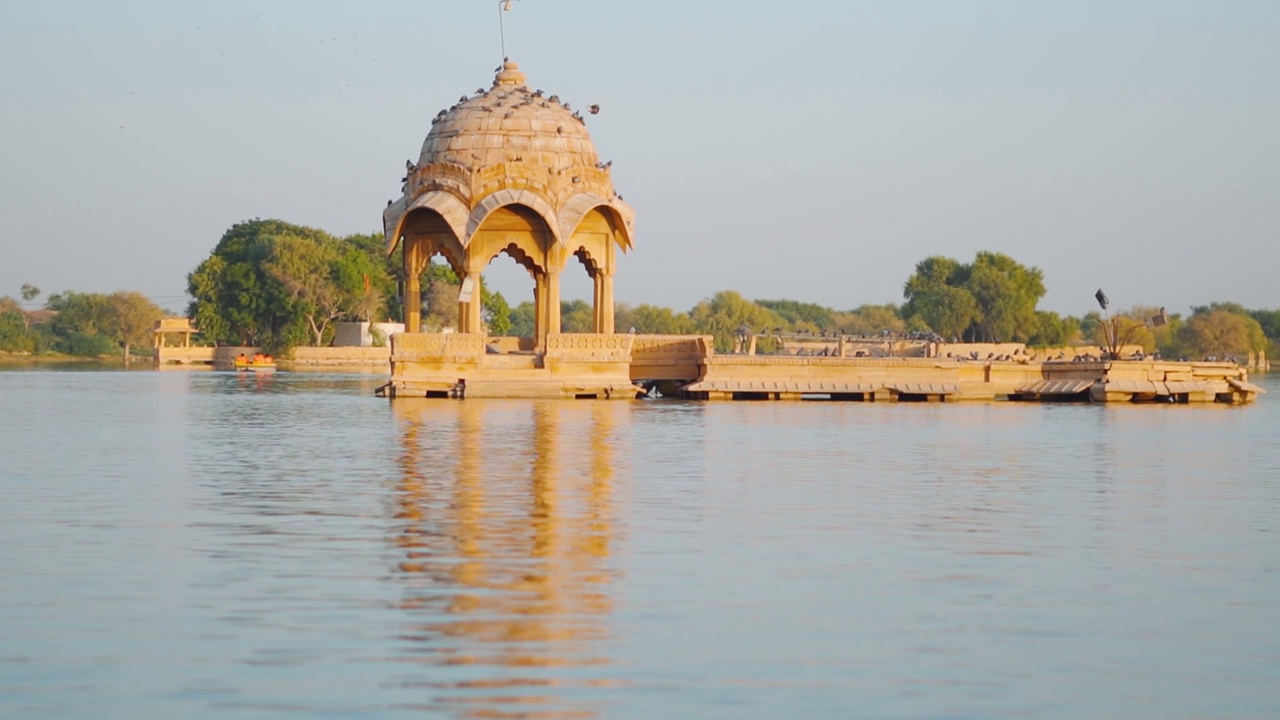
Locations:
column 504, row 6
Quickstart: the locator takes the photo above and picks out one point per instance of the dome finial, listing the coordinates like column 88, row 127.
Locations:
column 509, row 74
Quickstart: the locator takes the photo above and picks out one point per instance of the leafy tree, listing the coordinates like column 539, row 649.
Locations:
column 78, row 313
column 656, row 320
column 307, row 270
column 576, row 316
column 95, row 324
column 522, row 319
column 870, row 320
column 440, row 304
column 1222, row 333
column 1269, row 320
column 936, row 296
column 385, row 273
column 235, row 300
column 796, row 313
column 130, row 319
column 992, row 299
column 82, row 344
column 497, row 312
column 29, row 292
column 1053, row 330
column 1007, row 293
column 15, row 330
column 725, row 312
column 274, row 284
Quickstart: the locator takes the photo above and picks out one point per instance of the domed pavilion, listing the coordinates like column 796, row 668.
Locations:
column 511, row 170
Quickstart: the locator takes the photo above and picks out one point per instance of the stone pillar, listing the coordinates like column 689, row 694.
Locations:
column 605, row 300
column 469, row 319
column 552, row 303
column 597, row 304
column 412, row 288
column 539, row 307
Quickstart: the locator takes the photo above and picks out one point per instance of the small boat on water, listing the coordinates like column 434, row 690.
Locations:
column 256, row 364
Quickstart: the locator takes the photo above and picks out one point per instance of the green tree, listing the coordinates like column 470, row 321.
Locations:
column 29, row 292
column 91, row 324
column 1007, row 293
column 726, row 312
column 870, row 320
column 796, row 313
column 307, row 269
column 234, row 298
column 15, row 330
column 130, row 319
column 271, row 283
column 1052, row 330
column 497, row 313
column 991, row 299
column 78, row 313
column 656, row 320
column 440, row 303
column 1221, row 333
column 576, row 316
column 936, row 297
column 522, row 319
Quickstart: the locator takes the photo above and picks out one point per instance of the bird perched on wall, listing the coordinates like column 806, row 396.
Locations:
column 594, row 109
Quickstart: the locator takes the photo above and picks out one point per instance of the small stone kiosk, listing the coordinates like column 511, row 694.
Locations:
column 511, row 170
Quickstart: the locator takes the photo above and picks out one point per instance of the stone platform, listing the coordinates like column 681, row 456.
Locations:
column 623, row 366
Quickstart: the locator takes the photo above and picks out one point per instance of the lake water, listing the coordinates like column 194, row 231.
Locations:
column 212, row 545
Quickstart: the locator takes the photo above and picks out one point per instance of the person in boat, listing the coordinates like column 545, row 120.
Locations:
column 267, row 359
column 257, row 358
column 242, row 359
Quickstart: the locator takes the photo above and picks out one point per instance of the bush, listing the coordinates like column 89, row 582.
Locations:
column 83, row 344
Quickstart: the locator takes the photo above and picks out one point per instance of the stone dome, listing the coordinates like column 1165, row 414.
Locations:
column 509, row 123
column 508, row 146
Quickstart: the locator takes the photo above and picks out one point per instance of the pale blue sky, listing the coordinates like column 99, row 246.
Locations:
column 811, row 150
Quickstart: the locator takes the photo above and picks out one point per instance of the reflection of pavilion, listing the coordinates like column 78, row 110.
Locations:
column 510, row 170
column 505, row 563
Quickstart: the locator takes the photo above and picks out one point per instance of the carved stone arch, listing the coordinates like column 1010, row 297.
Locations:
column 445, row 204
column 427, row 233
column 511, row 197
column 448, row 206
column 576, row 208
column 589, row 261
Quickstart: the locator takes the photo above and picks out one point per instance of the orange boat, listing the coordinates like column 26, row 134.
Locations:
column 256, row 364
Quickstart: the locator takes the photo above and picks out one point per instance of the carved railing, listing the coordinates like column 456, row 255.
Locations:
column 589, row 347
column 441, row 347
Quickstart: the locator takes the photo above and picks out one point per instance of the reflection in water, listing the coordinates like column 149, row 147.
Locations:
column 505, row 554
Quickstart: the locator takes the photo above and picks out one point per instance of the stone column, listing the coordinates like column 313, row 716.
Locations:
column 412, row 288
column 539, row 307
column 469, row 320
column 597, row 303
column 605, row 280
column 553, row 302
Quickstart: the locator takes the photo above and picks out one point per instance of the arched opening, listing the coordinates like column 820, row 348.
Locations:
column 577, row 294
column 523, row 234
column 595, row 241
column 424, row 236
column 508, row 307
